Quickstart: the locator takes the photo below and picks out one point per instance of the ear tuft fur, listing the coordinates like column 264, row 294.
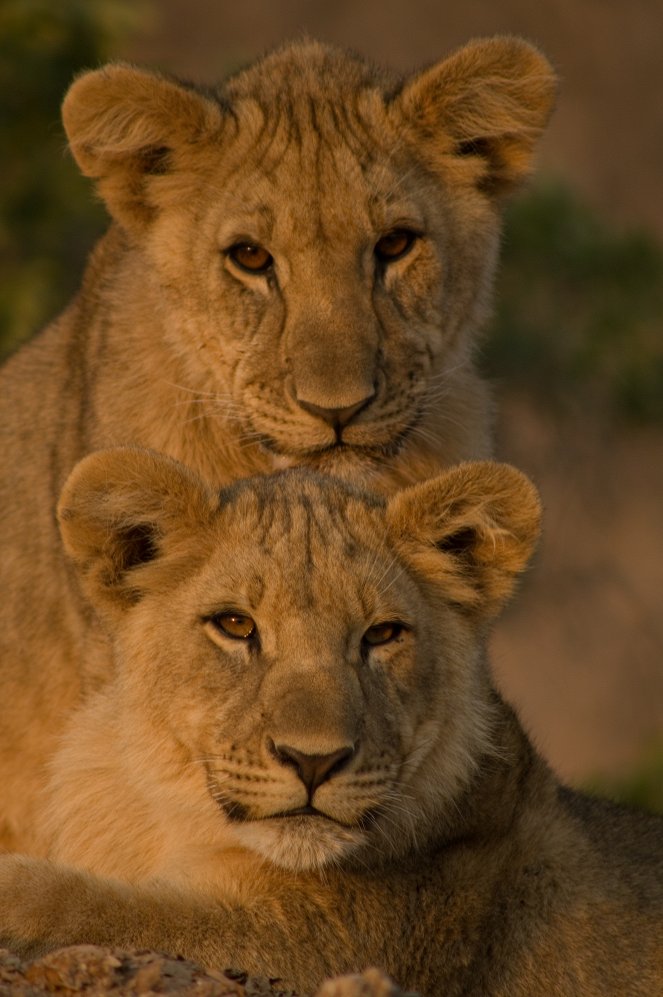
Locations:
column 124, row 123
column 470, row 532
column 490, row 101
column 124, row 508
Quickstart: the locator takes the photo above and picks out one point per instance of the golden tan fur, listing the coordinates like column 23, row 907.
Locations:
column 329, row 359
column 306, row 800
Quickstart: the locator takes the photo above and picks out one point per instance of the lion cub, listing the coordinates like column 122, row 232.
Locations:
column 300, row 766
column 297, row 266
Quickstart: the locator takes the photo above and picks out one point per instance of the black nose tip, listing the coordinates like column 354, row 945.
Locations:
column 337, row 418
column 313, row 770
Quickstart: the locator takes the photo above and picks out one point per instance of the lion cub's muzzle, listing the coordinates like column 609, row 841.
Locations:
column 313, row 770
column 337, row 418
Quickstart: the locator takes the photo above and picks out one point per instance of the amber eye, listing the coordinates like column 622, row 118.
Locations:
column 394, row 245
column 382, row 633
column 250, row 257
column 235, row 625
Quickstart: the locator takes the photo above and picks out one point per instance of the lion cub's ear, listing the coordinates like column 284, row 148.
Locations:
column 123, row 509
column 124, row 125
column 470, row 531
column 488, row 103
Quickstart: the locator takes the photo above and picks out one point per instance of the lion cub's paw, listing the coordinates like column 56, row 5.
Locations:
column 370, row 983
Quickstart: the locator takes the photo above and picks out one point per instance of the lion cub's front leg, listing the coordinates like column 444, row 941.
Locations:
column 44, row 906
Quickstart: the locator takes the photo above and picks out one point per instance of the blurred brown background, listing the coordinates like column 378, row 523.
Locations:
column 607, row 136
column 580, row 652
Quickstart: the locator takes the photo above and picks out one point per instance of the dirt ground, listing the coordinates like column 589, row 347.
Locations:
column 581, row 651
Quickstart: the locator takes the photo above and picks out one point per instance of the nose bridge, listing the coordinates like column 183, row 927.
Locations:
column 332, row 335
column 313, row 707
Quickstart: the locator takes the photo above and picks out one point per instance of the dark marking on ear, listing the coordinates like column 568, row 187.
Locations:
column 156, row 161
column 138, row 545
column 474, row 147
column 489, row 151
column 393, row 90
column 459, row 543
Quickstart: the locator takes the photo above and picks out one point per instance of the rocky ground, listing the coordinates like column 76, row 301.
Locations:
column 104, row 972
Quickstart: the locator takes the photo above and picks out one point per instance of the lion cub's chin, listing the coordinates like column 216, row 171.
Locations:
column 299, row 843
column 350, row 462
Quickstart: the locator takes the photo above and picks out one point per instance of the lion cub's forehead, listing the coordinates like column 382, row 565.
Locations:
column 296, row 509
column 311, row 121
column 300, row 71
column 311, row 529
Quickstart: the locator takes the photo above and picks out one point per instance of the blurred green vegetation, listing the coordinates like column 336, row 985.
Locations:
column 579, row 317
column 48, row 216
column 642, row 788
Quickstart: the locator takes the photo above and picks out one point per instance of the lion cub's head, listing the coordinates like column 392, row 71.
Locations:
column 319, row 236
column 304, row 659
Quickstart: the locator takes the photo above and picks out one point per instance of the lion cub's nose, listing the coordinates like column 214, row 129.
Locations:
column 313, row 770
column 337, row 418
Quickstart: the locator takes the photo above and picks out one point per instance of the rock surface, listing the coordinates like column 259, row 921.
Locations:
column 106, row 972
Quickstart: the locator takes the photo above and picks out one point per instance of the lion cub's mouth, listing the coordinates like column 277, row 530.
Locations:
column 239, row 814
column 301, row 837
column 306, row 811
column 336, row 458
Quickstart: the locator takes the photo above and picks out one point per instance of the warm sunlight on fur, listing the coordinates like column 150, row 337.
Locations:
column 298, row 739
column 297, row 267
column 299, row 765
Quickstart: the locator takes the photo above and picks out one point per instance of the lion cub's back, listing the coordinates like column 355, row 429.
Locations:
column 629, row 841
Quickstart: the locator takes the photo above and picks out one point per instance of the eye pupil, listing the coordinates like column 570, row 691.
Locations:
column 250, row 257
column 382, row 633
column 394, row 245
column 236, row 625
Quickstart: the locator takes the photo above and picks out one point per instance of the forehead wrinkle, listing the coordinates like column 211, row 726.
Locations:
column 252, row 513
column 319, row 149
column 255, row 589
column 352, row 133
column 308, row 544
column 313, row 167
column 274, row 150
column 291, row 530
column 253, row 220
column 307, row 150
column 294, row 545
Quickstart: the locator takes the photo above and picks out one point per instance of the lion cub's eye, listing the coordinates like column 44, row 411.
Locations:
column 252, row 258
column 394, row 245
column 235, row 625
column 382, row 633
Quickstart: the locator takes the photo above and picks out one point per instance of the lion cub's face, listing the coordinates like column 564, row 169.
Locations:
column 309, row 653
column 322, row 235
